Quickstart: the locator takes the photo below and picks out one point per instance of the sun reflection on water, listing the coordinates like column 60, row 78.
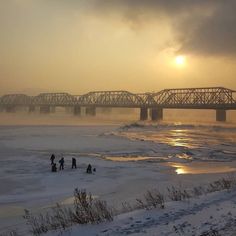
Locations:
column 175, row 138
column 180, row 138
column 179, row 169
column 202, row 168
column 127, row 158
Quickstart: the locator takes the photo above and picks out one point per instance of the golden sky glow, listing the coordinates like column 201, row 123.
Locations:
column 78, row 46
column 180, row 60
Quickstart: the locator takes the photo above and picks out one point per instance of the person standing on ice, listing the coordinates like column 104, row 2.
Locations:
column 61, row 163
column 52, row 159
column 54, row 167
column 89, row 169
column 73, row 163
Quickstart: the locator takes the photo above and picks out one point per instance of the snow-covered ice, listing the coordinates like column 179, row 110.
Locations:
column 129, row 160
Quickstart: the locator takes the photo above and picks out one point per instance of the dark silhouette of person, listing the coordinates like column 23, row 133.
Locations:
column 54, row 167
column 89, row 169
column 61, row 163
column 52, row 159
column 73, row 163
column 94, row 169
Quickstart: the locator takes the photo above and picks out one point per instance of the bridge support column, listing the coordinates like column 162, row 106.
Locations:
column 44, row 109
column 69, row 109
column 10, row 109
column 221, row 115
column 143, row 113
column 31, row 109
column 77, row 110
column 157, row 114
column 52, row 109
column 90, row 111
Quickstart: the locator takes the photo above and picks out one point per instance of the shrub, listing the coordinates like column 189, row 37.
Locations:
column 88, row 210
column 211, row 232
column 85, row 210
column 152, row 199
column 198, row 191
column 155, row 199
column 222, row 184
column 178, row 194
column 126, row 207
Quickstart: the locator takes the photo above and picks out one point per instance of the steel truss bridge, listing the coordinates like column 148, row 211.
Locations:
column 217, row 98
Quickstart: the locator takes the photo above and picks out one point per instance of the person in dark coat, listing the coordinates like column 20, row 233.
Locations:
column 73, row 163
column 54, row 167
column 61, row 163
column 89, row 169
column 52, row 159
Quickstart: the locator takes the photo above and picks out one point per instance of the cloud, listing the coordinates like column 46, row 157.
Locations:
column 202, row 27
column 199, row 27
column 215, row 35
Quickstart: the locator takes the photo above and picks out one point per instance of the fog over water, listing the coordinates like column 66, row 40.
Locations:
column 115, row 116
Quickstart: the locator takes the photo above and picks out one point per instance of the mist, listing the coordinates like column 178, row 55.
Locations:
column 114, row 116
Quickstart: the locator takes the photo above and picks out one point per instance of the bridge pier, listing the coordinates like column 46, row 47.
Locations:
column 143, row 113
column 221, row 115
column 32, row 109
column 52, row 109
column 106, row 110
column 10, row 109
column 156, row 114
column 77, row 110
column 90, row 111
column 44, row 109
column 69, row 109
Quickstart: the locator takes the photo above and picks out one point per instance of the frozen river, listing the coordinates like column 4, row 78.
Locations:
column 129, row 160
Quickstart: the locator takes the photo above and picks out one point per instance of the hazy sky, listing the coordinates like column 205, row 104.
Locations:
column 82, row 45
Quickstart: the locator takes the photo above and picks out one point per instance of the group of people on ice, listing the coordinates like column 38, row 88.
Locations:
column 89, row 169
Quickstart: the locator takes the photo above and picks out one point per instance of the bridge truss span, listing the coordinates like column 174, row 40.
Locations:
column 195, row 98
column 54, row 99
column 15, row 100
column 110, row 99
column 217, row 98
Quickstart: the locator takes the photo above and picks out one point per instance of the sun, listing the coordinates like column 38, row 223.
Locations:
column 180, row 60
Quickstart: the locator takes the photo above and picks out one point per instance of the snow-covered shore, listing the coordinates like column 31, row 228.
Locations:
column 212, row 214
